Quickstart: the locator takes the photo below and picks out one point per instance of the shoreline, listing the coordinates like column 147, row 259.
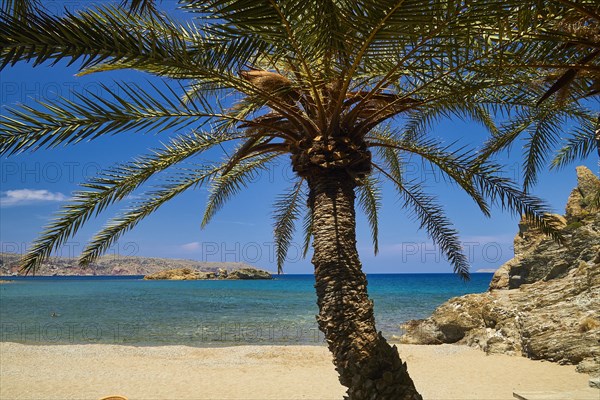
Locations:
column 91, row 371
column 275, row 275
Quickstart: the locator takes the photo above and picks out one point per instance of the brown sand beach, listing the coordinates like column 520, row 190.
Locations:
column 261, row 372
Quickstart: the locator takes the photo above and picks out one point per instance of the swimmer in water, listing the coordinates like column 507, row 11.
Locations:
column 54, row 315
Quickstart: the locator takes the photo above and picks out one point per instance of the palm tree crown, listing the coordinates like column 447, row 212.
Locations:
column 318, row 83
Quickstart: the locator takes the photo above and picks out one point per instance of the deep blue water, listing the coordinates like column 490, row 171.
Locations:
column 128, row 310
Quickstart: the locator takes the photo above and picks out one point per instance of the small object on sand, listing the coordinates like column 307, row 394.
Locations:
column 557, row 395
column 114, row 397
column 595, row 382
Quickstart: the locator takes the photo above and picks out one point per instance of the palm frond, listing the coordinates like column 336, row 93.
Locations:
column 25, row 7
column 19, row 9
column 287, row 209
column 287, row 15
column 369, row 199
column 431, row 217
column 224, row 186
column 307, row 226
column 579, row 144
column 66, row 121
column 112, row 186
column 148, row 204
column 543, row 123
column 391, row 158
column 542, row 136
column 486, row 180
column 109, row 34
column 141, row 6
column 458, row 164
column 382, row 21
column 505, row 193
column 436, row 54
column 278, row 23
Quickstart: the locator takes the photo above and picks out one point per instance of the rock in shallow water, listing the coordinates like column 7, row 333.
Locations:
column 180, row 274
column 249, row 273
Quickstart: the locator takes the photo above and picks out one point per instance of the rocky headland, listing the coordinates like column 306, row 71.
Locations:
column 186, row 274
column 122, row 265
column 542, row 304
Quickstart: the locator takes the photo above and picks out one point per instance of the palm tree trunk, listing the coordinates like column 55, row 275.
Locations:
column 366, row 363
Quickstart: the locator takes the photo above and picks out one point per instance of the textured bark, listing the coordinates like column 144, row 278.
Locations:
column 366, row 363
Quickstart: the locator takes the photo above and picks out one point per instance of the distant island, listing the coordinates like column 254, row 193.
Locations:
column 129, row 265
column 188, row 274
column 486, row 270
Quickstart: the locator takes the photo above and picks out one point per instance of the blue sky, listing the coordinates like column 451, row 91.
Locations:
column 34, row 185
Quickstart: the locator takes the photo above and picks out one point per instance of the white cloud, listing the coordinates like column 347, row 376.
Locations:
column 193, row 246
column 21, row 197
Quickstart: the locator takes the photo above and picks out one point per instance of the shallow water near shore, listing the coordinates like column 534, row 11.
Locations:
column 128, row 310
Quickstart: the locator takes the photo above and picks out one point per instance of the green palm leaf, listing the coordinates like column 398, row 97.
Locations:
column 307, row 226
column 67, row 122
column 504, row 192
column 148, row 204
column 224, row 186
column 432, row 217
column 287, row 210
column 25, row 7
column 580, row 144
column 109, row 33
column 112, row 186
column 19, row 8
column 458, row 164
column 543, row 126
column 369, row 199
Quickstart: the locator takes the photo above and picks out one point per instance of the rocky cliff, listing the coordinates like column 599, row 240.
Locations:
column 116, row 265
column 542, row 304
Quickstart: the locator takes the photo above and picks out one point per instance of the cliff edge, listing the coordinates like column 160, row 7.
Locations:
column 542, row 304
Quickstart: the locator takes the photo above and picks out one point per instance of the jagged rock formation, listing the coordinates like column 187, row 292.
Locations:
column 222, row 273
column 544, row 303
column 185, row 274
column 114, row 265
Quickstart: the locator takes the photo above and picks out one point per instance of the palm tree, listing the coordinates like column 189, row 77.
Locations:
column 346, row 90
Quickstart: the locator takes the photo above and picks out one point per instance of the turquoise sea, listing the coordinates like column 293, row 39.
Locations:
column 128, row 310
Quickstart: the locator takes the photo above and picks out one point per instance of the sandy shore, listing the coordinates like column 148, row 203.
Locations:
column 260, row 372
